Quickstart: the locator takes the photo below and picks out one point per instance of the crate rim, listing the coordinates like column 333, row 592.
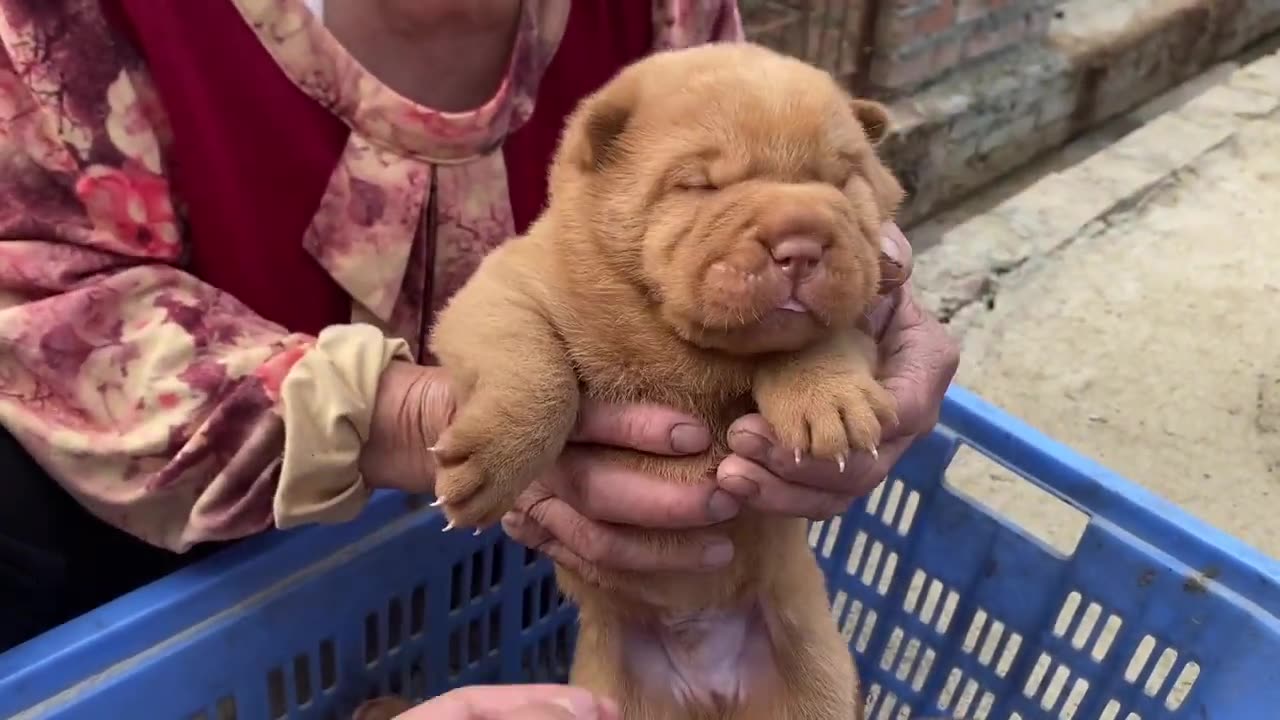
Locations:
column 112, row 637
column 1105, row 495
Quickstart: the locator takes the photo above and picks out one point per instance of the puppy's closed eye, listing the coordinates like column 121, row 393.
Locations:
column 846, row 168
column 690, row 180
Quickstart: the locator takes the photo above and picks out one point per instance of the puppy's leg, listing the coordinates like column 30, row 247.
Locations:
column 601, row 666
column 826, row 401
column 517, row 392
column 598, row 665
column 816, row 675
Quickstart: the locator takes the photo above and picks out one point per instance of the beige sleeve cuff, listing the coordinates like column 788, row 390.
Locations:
column 327, row 403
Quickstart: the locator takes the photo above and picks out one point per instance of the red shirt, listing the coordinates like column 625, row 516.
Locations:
column 252, row 153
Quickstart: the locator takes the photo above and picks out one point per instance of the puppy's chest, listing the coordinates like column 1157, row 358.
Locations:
column 716, row 393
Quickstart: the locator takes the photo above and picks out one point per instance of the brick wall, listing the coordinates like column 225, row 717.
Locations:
column 954, row 137
column 903, row 44
column 823, row 32
column 1098, row 59
column 919, row 40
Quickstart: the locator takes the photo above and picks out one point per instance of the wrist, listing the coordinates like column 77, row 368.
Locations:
column 412, row 406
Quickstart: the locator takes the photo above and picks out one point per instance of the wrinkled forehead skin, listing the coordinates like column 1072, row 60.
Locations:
column 747, row 111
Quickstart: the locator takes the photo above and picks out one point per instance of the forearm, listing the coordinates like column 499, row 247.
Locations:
column 171, row 411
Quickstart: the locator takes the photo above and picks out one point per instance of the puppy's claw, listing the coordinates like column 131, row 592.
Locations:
column 798, row 456
column 840, row 462
column 875, row 453
column 448, row 527
column 477, row 532
column 438, row 502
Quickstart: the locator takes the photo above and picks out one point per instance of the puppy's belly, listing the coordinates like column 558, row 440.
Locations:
column 712, row 659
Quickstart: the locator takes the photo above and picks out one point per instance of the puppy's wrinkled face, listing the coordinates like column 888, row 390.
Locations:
column 739, row 188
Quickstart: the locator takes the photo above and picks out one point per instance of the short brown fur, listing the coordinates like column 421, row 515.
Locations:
column 648, row 279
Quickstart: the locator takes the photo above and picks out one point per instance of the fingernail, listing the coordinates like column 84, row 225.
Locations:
column 749, row 443
column 890, row 281
column 512, row 520
column 689, row 439
column 721, row 506
column 717, row 554
column 740, row 486
column 891, row 249
column 893, row 266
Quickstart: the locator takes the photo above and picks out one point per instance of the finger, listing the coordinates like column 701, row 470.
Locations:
column 896, row 258
column 539, row 711
column 751, row 438
column 882, row 312
column 751, row 443
column 767, row 492
column 865, row 473
column 918, row 361
column 612, row 546
column 485, row 702
column 560, row 709
column 614, row 494
column 647, row 428
column 528, row 533
column 579, row 555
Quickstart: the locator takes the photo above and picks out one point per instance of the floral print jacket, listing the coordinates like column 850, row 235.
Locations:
column 166, row 406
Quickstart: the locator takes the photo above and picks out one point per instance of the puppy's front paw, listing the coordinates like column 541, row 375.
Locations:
column 826, row 414
column 484, row 463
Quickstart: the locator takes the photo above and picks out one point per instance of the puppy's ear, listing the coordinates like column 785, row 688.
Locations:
column 885, row 187
column 593, row 134
column 874, row 118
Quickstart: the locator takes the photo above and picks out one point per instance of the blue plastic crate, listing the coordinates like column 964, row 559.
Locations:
column 950, row 609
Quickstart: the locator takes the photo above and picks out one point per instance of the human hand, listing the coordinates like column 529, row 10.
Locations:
column 496, row 702
column 918, row 360
column 413, row 406
column 585, row 513
column 588, row 514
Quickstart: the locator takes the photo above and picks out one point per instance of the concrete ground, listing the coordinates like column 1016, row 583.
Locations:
column 1129, row 306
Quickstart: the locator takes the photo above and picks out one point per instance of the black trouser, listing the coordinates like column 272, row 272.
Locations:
column 58, row 561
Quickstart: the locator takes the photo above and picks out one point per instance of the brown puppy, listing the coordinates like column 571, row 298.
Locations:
column 712, row 245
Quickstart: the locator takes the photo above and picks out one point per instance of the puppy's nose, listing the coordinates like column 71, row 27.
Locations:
column 798, row 256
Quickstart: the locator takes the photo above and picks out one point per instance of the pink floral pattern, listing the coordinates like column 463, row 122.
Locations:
column 395, row 149
column 152, row 396
column 130, row 206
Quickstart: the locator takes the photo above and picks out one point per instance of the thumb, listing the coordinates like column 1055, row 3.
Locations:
column 895, row 258
column 555, row 710
column 918, row 359
column 514, row 702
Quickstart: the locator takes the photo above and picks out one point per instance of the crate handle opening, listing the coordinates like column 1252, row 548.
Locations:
column 1024, row 504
